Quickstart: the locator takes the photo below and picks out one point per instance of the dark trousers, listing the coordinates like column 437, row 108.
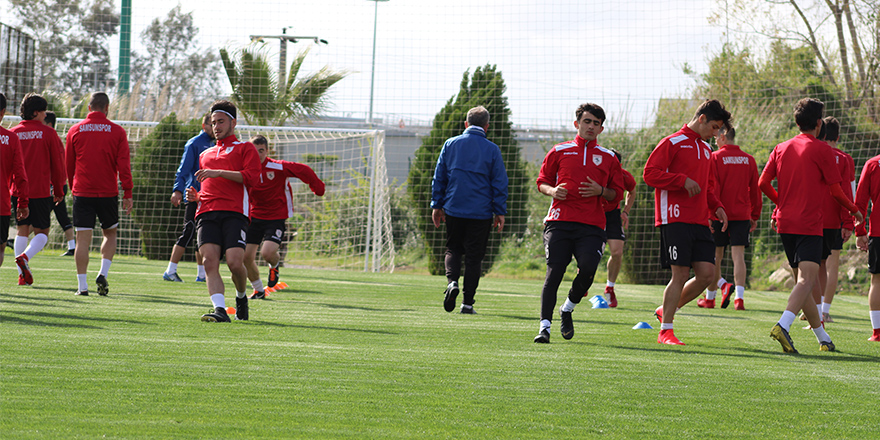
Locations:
column 469, row 237
column 561, row 241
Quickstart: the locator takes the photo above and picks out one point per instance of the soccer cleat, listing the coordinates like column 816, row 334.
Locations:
column 103, row 287
column 738, row 304
column 467, row 310
column 258, row 295
column 450, row 295
column 21, row 280
column 543, row 337
column 172, row 277
column 706, row 303
column 668, row 337
column 782, row 337
column 273, row 276
column 68, row 253
column 826, row 318
column 218, row 315
column 82, row 293
column 727, row 289
column 876, row 336
column 22, row 262
column 612, row 298
column 826, row 346
column 803, row 316
column 567, row 325
column 201, row 280
column 658, row 312
column 241, row 308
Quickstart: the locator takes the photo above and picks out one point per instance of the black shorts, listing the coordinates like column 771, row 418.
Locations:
column 564, row 239
column 61, row 215
column 224, row 228
column 682, row 244
column 613, row 226
column 4, row 229
column 873, row 255
column 800, row 248
column 831, row 241
column 189, row 225
column 86, row 208
column 737, row 233
column 269, row 230
column 39, row 215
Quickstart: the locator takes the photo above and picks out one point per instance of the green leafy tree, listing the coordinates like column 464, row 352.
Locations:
column 73, row 49
column 485, row 87
column 153, row 168
column 259, row 97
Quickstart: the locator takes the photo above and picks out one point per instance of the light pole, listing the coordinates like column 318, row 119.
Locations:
column 373, row 69
column 282, row 53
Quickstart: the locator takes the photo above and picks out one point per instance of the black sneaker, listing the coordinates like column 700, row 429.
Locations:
column 273, row 277
column 468, row 310
column 543, row 337
column 103, row 287
column 241, row 308
column 82, row 293
column 567, row 326
column 258, row 295
column 826, row 346
column 69, row 253
column 218, row 315
column 451, row 294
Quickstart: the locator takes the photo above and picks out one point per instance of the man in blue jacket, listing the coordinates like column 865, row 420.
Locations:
column 189, row 164
column 469, row 193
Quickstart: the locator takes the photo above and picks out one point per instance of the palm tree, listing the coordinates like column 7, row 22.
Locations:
column 256, row 92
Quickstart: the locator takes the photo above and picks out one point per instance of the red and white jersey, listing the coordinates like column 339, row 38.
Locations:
column 97, row 152
column 804, row 168
column 676, row 158
column 835, row 216
column 13, row 177
column 43, row 158
column 736, row 183
column 221, row 194
column 571, row 163
column 629, row 184
column 869, row 190
column 272, row 198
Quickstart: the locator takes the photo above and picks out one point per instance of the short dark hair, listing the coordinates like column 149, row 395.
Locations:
column 714, row 110
column 832, row 129
column 807, row 112
column 260, row 139
column 224, row 106
column 589, row 107
column 50, row 119
column 31, row 104
column 729, row 132
column 207, row 119
column 478, row 116
column 2, row 101
column 100, row 102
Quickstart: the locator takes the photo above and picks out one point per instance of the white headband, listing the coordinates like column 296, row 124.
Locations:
column 224, row 111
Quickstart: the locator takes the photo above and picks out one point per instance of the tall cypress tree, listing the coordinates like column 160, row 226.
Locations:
column 485, row 87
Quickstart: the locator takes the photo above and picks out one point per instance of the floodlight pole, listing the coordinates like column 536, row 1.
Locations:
column 373, row 69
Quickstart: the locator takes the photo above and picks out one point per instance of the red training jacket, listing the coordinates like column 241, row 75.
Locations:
column 272, row 198
column 13, row 177
column 869, row 190
column 43, row 158
column 221, row 194
column 676, row 158
column 97, row 151
column 736, row 183
column 629, row 184
column 835, row 216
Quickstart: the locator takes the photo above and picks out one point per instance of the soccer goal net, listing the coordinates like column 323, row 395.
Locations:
column 348, row 228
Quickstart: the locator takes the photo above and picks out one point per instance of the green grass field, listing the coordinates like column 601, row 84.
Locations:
column 354, row 355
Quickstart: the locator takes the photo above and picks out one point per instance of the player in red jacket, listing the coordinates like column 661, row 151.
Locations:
column 226, row 171
column 271, row 205
column 869, row 191
column 44, row 164
column 97, row 154
column 13, row 179
column 580, row 177
column 617, row 221
column 804, row 168
column 680, row 170
column 736, row 186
